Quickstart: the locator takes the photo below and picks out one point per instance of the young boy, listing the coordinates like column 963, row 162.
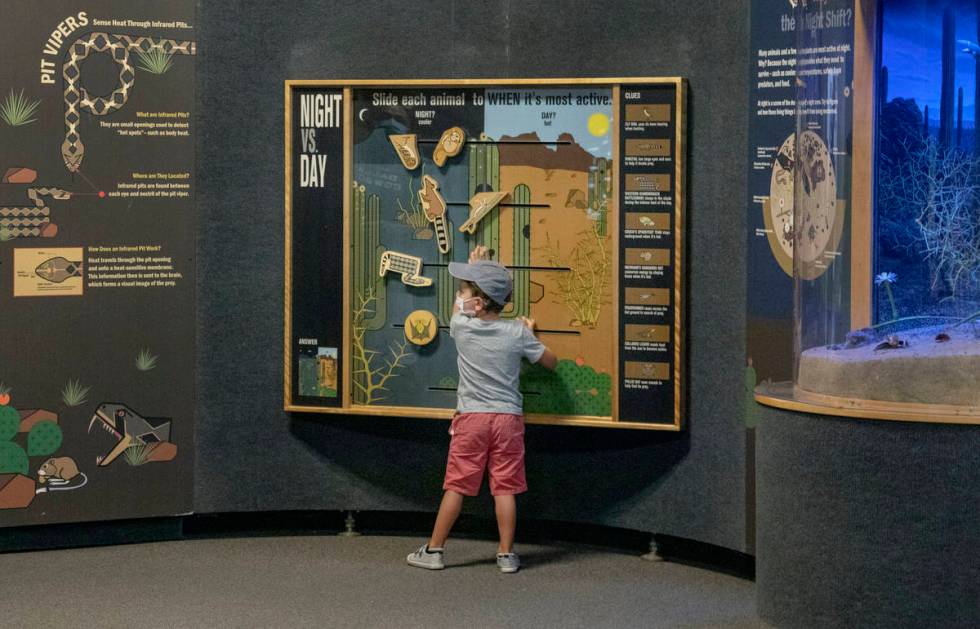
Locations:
column 488, row 428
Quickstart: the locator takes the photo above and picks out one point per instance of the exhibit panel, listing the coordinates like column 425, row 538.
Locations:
column 97, row 261
column 886, row 316
column 575, row 185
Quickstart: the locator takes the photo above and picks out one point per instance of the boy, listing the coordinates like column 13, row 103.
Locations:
column 488, row 428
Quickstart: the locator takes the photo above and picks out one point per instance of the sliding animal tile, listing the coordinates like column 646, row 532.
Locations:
column 59, row 269
column 407, row 147
column 421, row 327
column 480, row 205
column 408, row 266
column 450, row 144
column 435, row 210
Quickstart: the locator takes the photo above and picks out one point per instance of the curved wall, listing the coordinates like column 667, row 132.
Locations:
column 867, row 523
column 253, row 456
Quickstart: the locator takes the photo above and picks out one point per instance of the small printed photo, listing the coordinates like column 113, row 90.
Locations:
column 318, row 371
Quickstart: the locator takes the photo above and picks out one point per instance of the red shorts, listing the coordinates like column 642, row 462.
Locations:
column 481, row 440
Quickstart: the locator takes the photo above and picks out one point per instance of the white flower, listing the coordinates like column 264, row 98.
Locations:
column 885, row 278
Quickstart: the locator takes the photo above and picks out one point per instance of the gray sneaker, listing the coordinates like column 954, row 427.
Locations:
column 424, row 558
column 508, row 562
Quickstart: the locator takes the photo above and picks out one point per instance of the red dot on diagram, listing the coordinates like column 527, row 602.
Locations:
column 101, row 194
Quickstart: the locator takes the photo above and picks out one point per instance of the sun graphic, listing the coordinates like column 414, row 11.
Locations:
column 598, row 124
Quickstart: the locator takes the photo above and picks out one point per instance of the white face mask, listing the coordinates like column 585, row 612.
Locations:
column 461, row 305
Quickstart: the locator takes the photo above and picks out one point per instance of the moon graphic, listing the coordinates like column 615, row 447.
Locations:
column 360, row 114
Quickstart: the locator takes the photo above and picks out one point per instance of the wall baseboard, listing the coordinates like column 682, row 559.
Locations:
column 273, row 523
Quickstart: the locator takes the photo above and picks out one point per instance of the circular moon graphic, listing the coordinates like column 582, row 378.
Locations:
column 360, row 114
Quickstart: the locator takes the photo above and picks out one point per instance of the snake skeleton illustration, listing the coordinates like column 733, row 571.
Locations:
column 28, row 221
column 77, row 99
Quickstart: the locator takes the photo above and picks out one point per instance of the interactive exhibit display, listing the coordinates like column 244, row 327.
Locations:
column 886, row 288
column 577, row 187
column 97, row 245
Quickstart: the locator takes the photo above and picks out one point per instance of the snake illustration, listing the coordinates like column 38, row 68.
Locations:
column 76, row 96
column 27, row 221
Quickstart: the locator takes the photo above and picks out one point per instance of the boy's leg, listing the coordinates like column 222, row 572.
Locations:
column 507, row 477
column 452, row 502
column 506, row 508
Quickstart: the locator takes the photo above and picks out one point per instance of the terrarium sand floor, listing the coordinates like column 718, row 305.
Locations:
column 924, row 372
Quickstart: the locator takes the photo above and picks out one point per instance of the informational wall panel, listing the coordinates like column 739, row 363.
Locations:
column 574, row 185
column 807, row 54
column 97, row 268
column 649, row 253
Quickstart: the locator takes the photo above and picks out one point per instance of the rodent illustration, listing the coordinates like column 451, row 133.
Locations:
column 57, row 473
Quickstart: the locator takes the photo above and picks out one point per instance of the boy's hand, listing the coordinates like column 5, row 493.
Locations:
column 479, row 253
column 531, row 324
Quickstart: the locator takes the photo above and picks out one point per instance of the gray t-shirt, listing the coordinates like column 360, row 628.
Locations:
column 490, row 354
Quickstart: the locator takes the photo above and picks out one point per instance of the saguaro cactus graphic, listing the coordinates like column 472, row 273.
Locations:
column 366, row 226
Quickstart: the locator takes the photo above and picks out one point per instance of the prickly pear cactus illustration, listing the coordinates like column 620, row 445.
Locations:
column 44, row 439
column 13, row 459
column 9, row 422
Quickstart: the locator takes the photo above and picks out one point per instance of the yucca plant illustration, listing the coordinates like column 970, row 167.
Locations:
column 74, row 394
column 6, row 234
column 155, row 61
column 145, row 361
column 17, row 109
column 136, row 455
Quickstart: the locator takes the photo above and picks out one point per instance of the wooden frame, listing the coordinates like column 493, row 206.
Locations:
column 788, row 397
column 862, row 164
column 679, row 194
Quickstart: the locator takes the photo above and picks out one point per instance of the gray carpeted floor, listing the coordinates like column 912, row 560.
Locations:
column 360, row 582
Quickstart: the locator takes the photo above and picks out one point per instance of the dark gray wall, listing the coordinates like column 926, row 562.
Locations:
column 253, row 456
column 867, row 523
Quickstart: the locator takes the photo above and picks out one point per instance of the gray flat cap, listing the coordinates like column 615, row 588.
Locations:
column 489, row 276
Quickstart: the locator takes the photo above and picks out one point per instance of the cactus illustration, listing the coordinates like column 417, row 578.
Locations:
column 9, row 422
column 44, row 439
column 522, row 251
column 445, row 285
column 13, row 459
column 600, row 187
column 883, row 86
column 959, row 117
column 484, row 165
column 366, row 226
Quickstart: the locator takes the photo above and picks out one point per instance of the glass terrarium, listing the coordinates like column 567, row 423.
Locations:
column 886, row 215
